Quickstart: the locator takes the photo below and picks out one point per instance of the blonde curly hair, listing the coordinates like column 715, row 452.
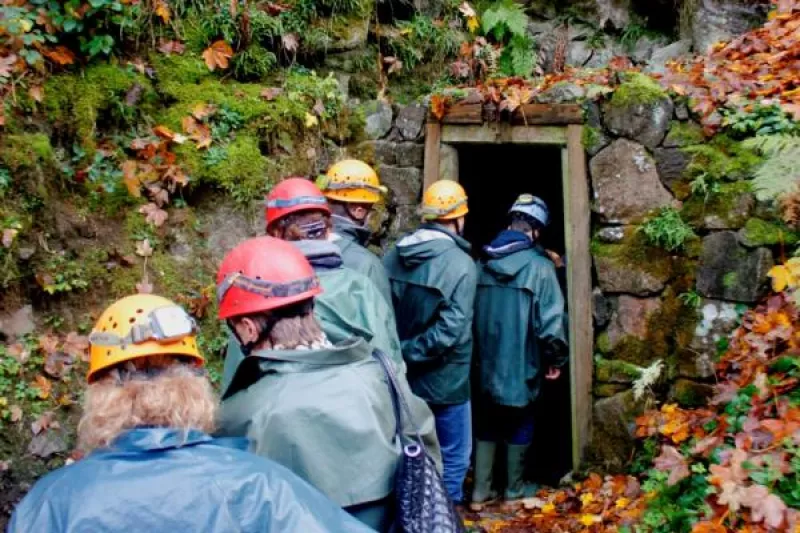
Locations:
column 152, row 391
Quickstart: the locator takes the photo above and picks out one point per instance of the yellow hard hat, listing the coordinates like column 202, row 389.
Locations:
column 444, row 200
column 351, row 181
column 139, row 326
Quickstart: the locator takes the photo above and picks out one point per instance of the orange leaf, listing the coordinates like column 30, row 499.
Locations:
column 59, row 54
column 130, row 176
column 162, row 10
column 37, row 93
column 44, row 386
column 164, row 132
column 217, row 55
column 438, row 106
column 197, row 131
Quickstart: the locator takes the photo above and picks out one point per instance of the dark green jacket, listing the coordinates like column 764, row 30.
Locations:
column 519, row 326
column 351, row 239
column 349, row 306
column 326, row 414
column 433, row 291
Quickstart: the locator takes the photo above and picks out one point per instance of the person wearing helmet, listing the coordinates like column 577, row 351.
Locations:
column 351, row 304
column 151, row 464
column 352, row 189
column 520, row 339
column 322, row 410
column 433, row 288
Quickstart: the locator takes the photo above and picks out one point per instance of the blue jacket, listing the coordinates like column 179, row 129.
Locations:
column 165, row 480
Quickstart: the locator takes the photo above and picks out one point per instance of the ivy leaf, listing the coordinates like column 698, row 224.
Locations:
column 673, row 462
column 154, row 214
column 144, row 249
column 290, row 42
column 171, row 47
column 217, row 55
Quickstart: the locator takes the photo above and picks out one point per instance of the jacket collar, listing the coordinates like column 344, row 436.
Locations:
column 458, row 239
column 321, row 254
column 347, row 229
column 149, row 439
column 345, row 352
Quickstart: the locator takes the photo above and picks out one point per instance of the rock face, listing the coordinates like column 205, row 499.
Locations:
column 619, row 170
column 631, row 318
column 19, row 323
column 615, row 276
column 613, row 428
column 448, row 163
column 671, row 163
column 227, row 226
column 410, row 120
column 602, row 308
column 731, row 272
column 647, row 122
column 717, row 319
column 720, row 20
column 405, row 183
column 689, row 393
column 657, row 62
column 379, row 119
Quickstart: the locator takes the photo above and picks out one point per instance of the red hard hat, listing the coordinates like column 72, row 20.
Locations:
column 293, row 195
column 262, row 274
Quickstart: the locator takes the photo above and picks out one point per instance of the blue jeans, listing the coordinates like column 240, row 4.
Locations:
column 454, row 429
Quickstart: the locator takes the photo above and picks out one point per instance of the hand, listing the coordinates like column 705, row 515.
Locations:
column 555, row 258
column 553, row 373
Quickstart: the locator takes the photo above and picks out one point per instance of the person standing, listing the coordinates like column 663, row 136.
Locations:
column 322, row 410
column 520, row 339
column 433, row 287
column 352, row 188
column 351, row 304
column 152, row 465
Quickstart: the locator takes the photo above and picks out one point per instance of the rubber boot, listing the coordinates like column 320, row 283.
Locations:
column 517, row 490
column 482, row 493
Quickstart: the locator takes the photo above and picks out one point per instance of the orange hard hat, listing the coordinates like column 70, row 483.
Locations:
column 351, row 181
column 137, row 326
column 444, row 200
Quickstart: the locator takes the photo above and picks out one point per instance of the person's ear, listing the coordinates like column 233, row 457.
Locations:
column 247, row 330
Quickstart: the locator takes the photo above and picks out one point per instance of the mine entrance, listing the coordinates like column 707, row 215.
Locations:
column 493, row 176
column 536, row 149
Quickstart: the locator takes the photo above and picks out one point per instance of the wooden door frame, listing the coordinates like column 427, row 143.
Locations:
column 577, row 220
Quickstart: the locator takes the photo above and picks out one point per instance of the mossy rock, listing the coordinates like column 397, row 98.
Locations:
column 79, row 101
column 721, row 159
column 244, row 172
column 26, row 151
column 728, row 208
column 688, row 393
column 615, row 371
column 638, row 89
column 757, row 232
column 684, row 134
column 633, row 251
column 606, row 390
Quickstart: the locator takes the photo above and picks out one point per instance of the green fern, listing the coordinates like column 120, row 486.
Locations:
column 507, row 24
column 780, row 172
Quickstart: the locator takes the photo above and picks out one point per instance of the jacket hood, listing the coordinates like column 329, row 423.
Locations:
column 321, row 254
column 508, row 266
column 346, row 228
column 426, row 243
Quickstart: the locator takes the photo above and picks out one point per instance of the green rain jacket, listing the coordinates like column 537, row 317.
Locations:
column 326, row 414
column 351, row 239
column 519, row 325
column 349, row 306
column 433, row 290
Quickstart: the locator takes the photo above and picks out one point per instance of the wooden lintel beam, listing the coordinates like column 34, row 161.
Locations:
column 527, row 114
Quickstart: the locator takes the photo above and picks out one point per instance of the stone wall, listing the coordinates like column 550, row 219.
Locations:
column 650, row 304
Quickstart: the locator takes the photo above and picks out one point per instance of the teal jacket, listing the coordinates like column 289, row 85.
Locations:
column 164, row 480
column 349, row 306
column 519, row 325
column 327, row 415
column 433, row 290
column 351, row 240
